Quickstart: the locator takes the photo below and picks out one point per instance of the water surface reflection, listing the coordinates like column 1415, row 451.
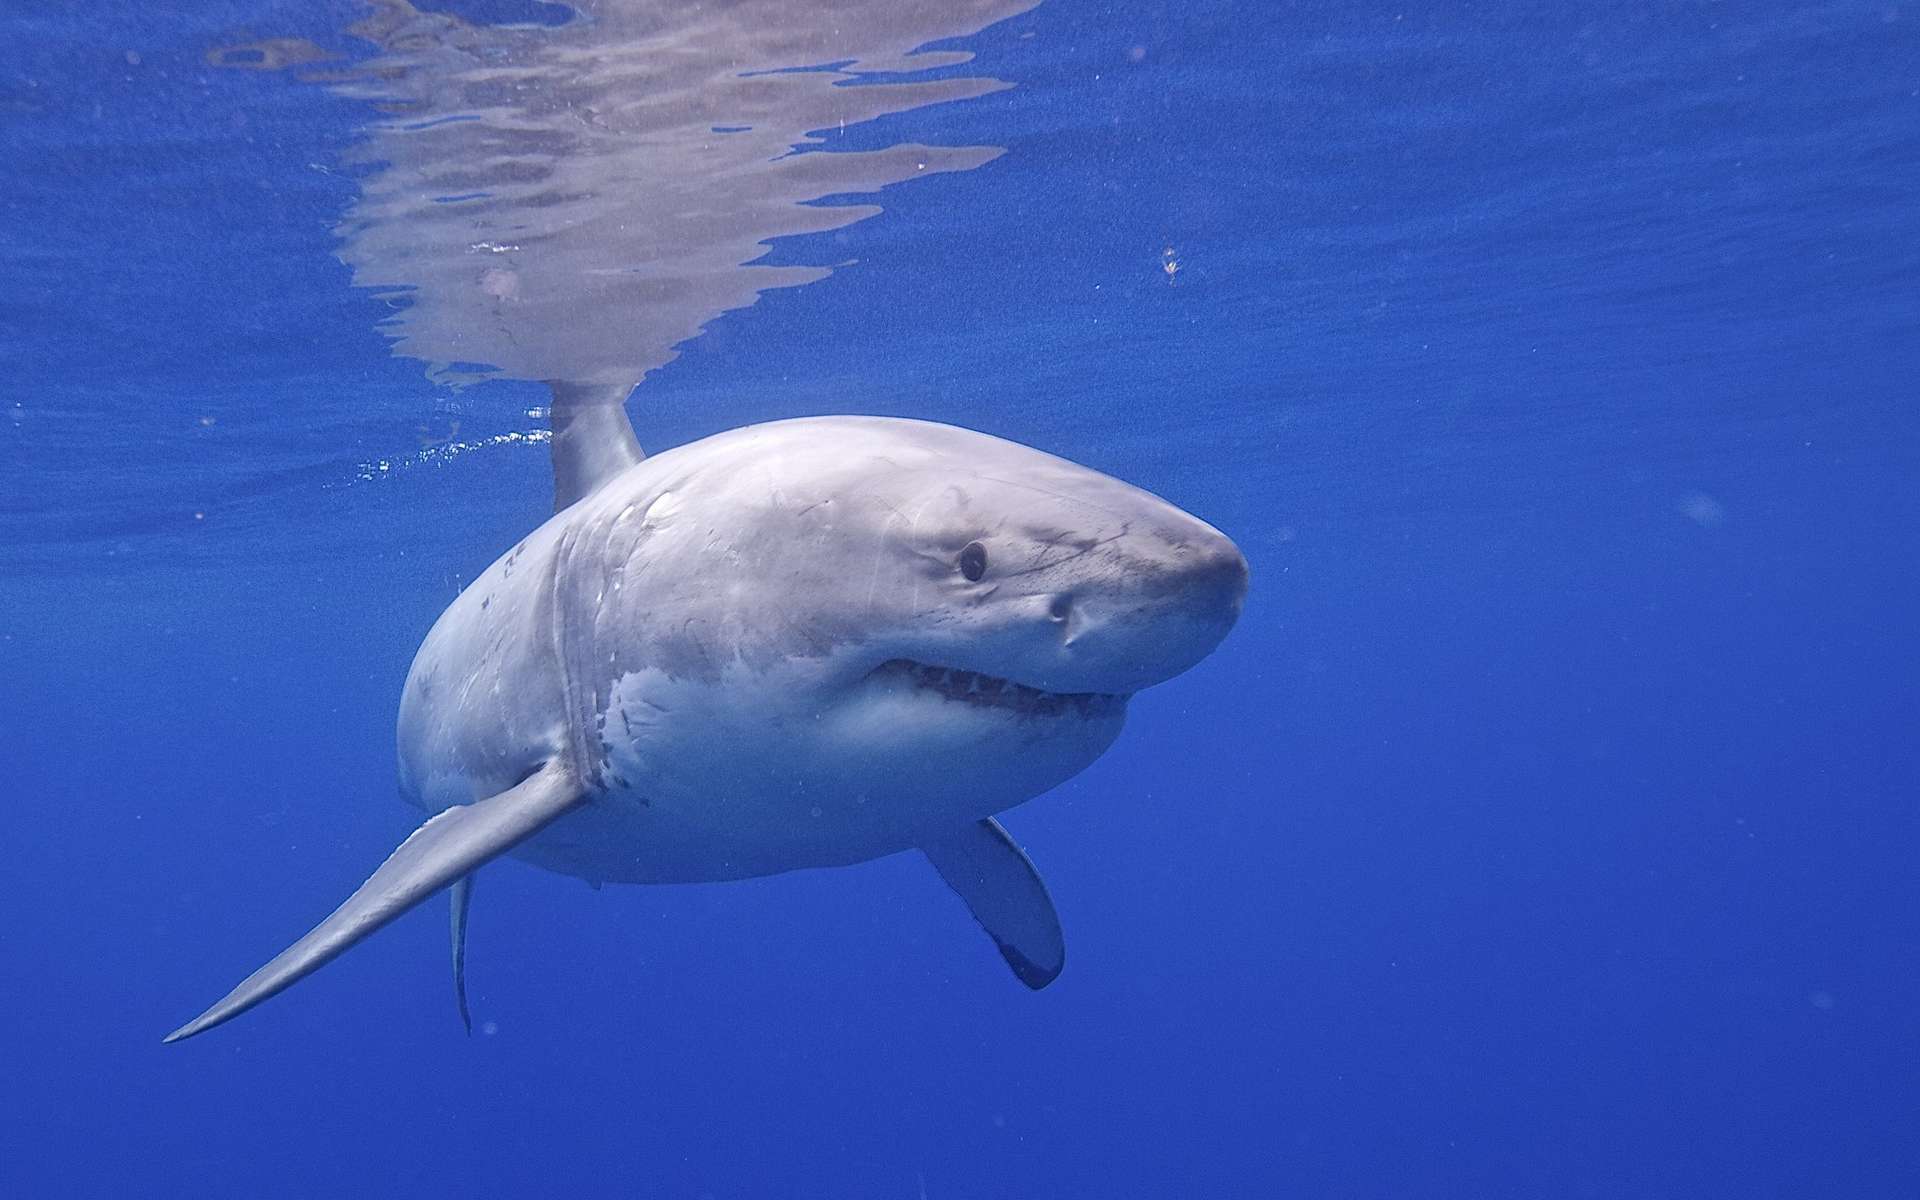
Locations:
column 569, row 203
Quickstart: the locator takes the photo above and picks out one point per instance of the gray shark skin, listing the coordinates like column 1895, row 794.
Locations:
column 807, row 643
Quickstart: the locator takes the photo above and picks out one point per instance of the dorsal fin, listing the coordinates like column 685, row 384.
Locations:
column 592, row 438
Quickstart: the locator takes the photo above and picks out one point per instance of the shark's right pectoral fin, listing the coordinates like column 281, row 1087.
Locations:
column 445, row 849
column 1004, row 893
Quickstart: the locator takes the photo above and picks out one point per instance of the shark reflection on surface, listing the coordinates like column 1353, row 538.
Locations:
column 569, row 203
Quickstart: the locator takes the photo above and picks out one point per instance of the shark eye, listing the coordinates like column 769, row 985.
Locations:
column 973, row 561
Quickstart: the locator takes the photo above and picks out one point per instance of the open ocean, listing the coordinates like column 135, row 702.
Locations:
column 1548, row 828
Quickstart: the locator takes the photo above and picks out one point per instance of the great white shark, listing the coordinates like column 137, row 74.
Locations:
column 807, row 643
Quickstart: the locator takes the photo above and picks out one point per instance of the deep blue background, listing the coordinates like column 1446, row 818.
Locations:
column 1546, row 829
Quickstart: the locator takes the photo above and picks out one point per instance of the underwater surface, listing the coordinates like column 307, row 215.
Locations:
column 1546, row 828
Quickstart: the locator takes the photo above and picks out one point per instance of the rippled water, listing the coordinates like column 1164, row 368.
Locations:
column 1545, row 828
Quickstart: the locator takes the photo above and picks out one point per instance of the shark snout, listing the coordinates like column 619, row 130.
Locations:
column 1212, row 583
column 1172, row 603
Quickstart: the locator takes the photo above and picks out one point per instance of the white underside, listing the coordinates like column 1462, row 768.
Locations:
column 709, row 782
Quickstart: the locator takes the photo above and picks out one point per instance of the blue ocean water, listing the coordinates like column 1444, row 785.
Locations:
column 1546, row 828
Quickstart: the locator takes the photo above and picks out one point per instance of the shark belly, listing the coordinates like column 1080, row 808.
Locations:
column 704, row 781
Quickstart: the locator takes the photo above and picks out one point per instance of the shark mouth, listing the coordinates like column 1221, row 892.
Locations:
column 988, row 691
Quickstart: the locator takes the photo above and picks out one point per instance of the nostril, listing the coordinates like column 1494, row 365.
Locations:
column 1061, row 608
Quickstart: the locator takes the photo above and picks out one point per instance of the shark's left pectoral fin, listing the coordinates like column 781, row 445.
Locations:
column 1004, row 892
column 447, row 848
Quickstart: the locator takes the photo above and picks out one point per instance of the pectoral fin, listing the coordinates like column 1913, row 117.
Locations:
column 448, row 847
column 1000, row 886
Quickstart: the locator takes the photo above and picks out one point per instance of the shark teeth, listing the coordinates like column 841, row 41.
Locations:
column 973, row 687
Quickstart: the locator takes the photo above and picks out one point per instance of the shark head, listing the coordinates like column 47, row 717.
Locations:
column 899, row 616
column 1006, row 565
